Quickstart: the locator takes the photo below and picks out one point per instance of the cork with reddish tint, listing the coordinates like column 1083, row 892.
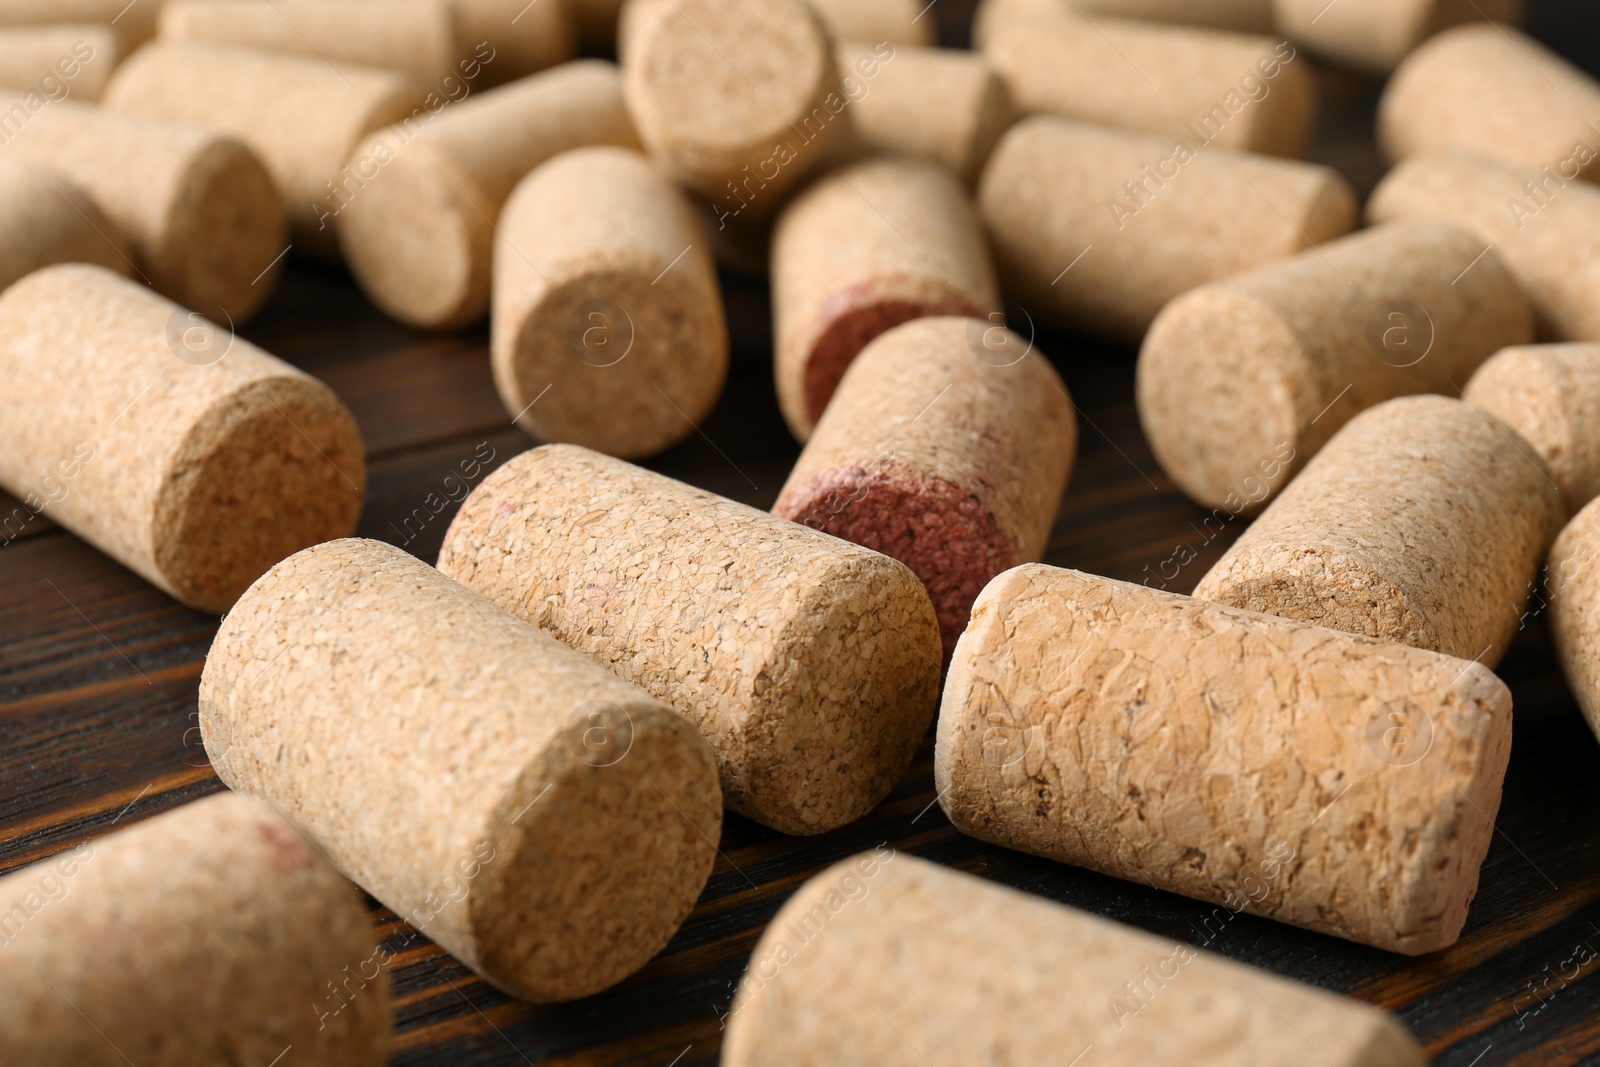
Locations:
column 210, row 934
column 864, row 249
column 948, row 446
column 1550, row 395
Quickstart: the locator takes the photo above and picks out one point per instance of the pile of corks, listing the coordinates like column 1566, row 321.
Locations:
column 527, row 750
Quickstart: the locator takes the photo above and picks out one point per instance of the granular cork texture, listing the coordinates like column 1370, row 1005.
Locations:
column 133, row 23
column 187, row 454
column 206, row 935
column 79, row 58
column 525, row 38
column 861, row 251
column 1550, row 395
column 608, row 328
column 1335, row 782
column 892, row 961
column 1242, row 381
column 1374, row 35
column 545, row 822
column 200, row 210
column 45, row 219
column 948, row 447
column 1423, row 521
column 1243, row 16
column 1573, row 583
column 809, row 663
column 895, row 21
column 1077, row 247
column 419, row 232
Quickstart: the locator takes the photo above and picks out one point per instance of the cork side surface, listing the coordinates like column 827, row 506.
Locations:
column 1574, row 593
column 1550, row 395
column 46, row 220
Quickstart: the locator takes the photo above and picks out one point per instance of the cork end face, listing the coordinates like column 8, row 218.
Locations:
column 1529, row 389
column 222, row 249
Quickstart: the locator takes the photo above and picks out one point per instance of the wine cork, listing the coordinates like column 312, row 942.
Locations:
column 895, row 21
column 860, row 251
column 1098, row 229
column 133, row 24
column 1245, row 379
column 303, row 116
column 58, row 61
column 1375, row 35
column 45, row 219
column 1528, row 216
column 523, row 37
column 809, row 663
column 1243, row 16
column 606, row 297
column 578, row 819
column 1015, row 978
column 1574, row 600
column 199, row 209
column 418, row 232
column 1550, row 395
column 187, row 454
column 1492, row 91
column 948, row 447
column 206, row 935
column 1230, row 90
column 1423, row 522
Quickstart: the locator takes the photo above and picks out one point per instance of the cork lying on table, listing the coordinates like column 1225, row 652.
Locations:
column 1244, row 16
column 1550, row 395
column 848, row 974
column 1375, row 35
column 205, row 935
column 1423, row 521
column 133, row 24
column 45, row 219
column 1242, row 381
column 1573, row 583
column 43, row 58
column 809, row 663
column 862, row 250
column 187, row 454
column 547, row 823
column 895, row 21
column 1340, row 783
column 948, row 447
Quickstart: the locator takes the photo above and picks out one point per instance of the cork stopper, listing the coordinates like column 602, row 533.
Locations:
column 133, row 24
column 210, row 934
column 1243, row 16
column 896, row 22
column 1335, row 782
column 1373, row 36
column 59, row 61
column 810, row 664
column 1574, row 598
column 1550, row 395
column 579, row 816
column 523, row 38
column 45, row 219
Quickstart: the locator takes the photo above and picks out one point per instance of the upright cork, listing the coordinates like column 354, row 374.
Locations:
column 1340, row 783
column 1373, row 36
column 199, row 209
column 210, row 934
column 1098, row 229
column 862, row 250
column 416, row 215
column 1550, row 395
column 1423, row 522
column 59, row 61
column 545, row 822
column 809, row 663
column 606, row 298
column 893, row 961
column 187, row 454
column 895, row 21
column 302, row 115
column 1243, row 16
column 1242, row 381
column 45, row 219
column 948, row 447
column 1572, row 580
column 133, row 24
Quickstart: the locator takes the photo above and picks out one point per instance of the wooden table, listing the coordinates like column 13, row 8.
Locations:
column 98, row 677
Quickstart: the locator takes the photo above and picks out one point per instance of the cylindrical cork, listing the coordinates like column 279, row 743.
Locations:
column 1241, row 382
column 1098, row 229
column 186, row 453
column 1423, row 521
column 1492, row 91
column 1243, row 16
column 523, row 38
column 891, row 961
column 303, row 116
column 948, row 447
column 809, row 663
column 210, row 934
column 895, row 21
column 1375, row 35
column 200, row 210
column 417, row 225
column 1335, row 782
column 58, row 61
column 861, row 251
column 1550, row 395
column 573, row 820
column 1207, row 87
column 1572, row 583
column 606, row 298
column 133, row 24
column 45, row 219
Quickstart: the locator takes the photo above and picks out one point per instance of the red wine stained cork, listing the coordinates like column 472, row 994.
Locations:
column 895, row 21
column 1335, row 782
column 1423, row 522
column 58, row 61
column 1572, row 581
column 523, row 38
column 948, row 446
column 859, row 252
column 1244, row 16
column 606, row 299
column 1550, row 395
column 45, row 219
column 206, row 935
column 1243, row 380
column 1375, row 35
column 187, row 454
column 133, row 24
column 1492, row 91
column 847, row 974
column 303, row 116
column 199, row 209
column 809, row 663
column 547, row 823
column 1098, row 229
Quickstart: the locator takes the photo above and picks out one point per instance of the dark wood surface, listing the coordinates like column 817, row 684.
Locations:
column 98, row 677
